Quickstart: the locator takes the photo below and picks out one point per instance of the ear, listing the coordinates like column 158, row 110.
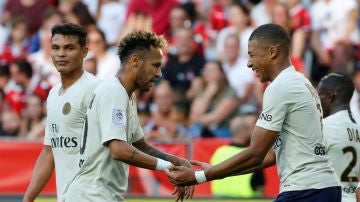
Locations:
column 331, row 97
column 85, row 51
column 135, row 60
column 272, row 52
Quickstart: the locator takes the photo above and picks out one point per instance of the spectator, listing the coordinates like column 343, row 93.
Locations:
column 3, row 104
column 239, row 17
column 219, row 14
column 17, row 46
column 217, row 104
column 301, row 21
column 76, row 12
column 137, row 21
column 180, row 113
column 25, row 85
column 196, row 87
column 108, row 63
column 33, row 119
column 32, row 10
column 41, row 62
column 281, row 16
column 4, row 76
column 158, row 10
column 243, row 186
column 50, row 18
column 90, row 65
column 183, row 65
column 240, row 77
column 261, row 12
column 10, row 124
column 178, row 18
column 334, row 31
column 161, row 125
column 110, row 18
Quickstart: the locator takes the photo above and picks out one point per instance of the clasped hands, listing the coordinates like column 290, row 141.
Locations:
column 181, row 176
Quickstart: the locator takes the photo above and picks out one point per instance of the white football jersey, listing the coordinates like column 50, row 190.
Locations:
column 342, row 140
column 65, row 117
column 111, row 115
column 291, row 106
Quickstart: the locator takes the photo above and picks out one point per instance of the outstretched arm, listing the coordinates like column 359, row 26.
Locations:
column 151, row 150
column 148, row 157
column 143, row 146
column 44, row 168
column 256, row 157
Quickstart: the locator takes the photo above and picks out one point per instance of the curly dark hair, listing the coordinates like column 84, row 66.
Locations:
column 139, row 42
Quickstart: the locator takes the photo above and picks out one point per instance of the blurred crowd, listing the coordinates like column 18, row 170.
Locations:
column 206, row 83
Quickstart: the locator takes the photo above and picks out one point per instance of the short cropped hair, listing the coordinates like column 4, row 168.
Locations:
column 272, row 34
column 71, row 29
column 340, row 84
column 139, row 42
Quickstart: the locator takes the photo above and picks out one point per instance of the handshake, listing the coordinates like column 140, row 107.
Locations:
column 184, row 177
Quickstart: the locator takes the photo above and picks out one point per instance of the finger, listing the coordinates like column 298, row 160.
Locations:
column 192, row 189
column 195, row 162
column 181, row 193
column 174, row 168
column 175, row 191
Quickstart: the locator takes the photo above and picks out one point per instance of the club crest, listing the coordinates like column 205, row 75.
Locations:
column 66, row 108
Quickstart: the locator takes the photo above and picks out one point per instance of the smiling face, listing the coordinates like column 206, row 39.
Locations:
column 258, row 60
column 149, row 70
column 67, row 54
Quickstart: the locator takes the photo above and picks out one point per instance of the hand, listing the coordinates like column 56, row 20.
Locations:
column 180, row 175
column 202, row 165
column 183, row 192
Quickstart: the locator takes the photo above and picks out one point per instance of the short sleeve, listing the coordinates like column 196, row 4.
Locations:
column 275, row 108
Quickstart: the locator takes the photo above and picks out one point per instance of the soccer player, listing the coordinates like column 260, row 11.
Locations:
column 341, row 131
column 288, row 131
column 66, row 107
column 112, row 136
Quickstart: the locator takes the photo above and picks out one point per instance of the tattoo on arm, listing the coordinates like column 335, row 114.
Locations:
column 149, row 149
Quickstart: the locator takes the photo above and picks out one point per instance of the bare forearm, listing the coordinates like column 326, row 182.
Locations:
column 153, row 151
column 43, row 170
column 126, row 153
column 258, row 155
column 269, row 160
column 232, row 166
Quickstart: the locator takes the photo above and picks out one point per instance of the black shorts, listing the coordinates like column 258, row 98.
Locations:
column 329, row 194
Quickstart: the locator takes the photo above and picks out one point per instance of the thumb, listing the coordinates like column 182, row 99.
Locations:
column 174, row 168
column 195, row 162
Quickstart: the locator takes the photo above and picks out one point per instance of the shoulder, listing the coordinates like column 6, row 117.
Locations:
column 54, row 89
column 110, row 87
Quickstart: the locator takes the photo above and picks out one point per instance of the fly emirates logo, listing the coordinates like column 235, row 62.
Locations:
column 61, row 141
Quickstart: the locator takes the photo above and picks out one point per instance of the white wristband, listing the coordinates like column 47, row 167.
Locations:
column 162, row 165
column 200, row 176
column 358, row 186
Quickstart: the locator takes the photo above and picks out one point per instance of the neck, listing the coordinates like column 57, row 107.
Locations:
column 68, row 79
column 339, row 108
column 127, row 83
column 281, row 66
